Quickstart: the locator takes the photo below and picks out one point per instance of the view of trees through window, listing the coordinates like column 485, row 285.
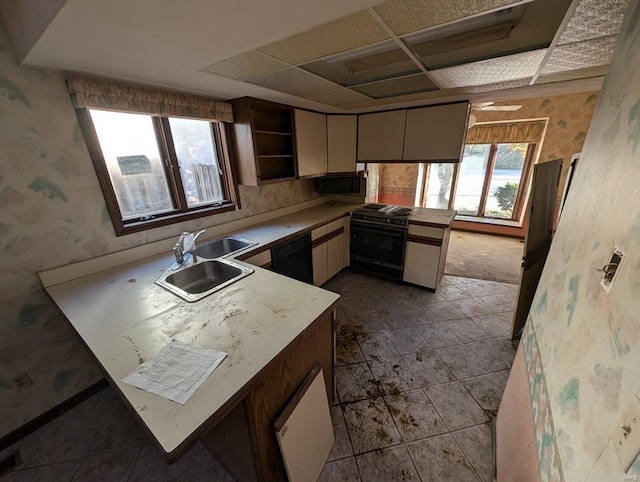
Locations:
column 487, row 185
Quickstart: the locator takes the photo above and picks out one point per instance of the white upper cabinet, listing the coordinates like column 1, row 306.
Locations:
column 311, row 143
column 381, row 136
column 342, row 132
column 436, row 133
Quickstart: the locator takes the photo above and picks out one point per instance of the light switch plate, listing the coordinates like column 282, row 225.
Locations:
column 626, row 435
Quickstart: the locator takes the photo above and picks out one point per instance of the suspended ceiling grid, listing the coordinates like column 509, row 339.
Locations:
column 399, row 48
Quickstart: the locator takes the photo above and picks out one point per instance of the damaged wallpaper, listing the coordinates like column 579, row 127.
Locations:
column 52, row 213
column 582, row 344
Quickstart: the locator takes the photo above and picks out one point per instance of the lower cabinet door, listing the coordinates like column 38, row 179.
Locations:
column 320, row 264
column 336, row 248
column 421, row 264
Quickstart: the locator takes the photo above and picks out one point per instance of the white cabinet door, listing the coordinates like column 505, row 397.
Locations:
column 421, row 264
column 311, row 143
column 319, row 255
column 336, row 247
column 342, row 131
column 381, row 136
column 436, row 133
column 320, row 264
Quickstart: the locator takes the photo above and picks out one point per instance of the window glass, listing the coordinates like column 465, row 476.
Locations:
column 130, row 151
column 199, row 167
column 438, row 188
column 471, row 178
column 505, row 180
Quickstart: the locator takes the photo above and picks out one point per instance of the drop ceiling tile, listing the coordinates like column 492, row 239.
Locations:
column 580, row 55
column 405, row 16
column 337, row 97
column 491, row 71
column 293, row 81
column 593, row 19
column 589, row 72
column 346, row 33
column 399, row 86
column 245, row 66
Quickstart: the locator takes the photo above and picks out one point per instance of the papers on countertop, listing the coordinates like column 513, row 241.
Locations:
column 176, row 371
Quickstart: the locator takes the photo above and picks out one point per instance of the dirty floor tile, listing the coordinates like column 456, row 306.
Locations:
column 408, row 340
column 438, row 335
column 486, row 390
column 439, row 458
column 377, row 345
column 477, row 446
column 414, row 415
column 463, row 362
column 355, row 382
column 392, row 375
column 428, row 368
column 370, row 425
column 389, row 465
column 457, row 408
column 342, row 445
column 348, row 350
column 344, row 470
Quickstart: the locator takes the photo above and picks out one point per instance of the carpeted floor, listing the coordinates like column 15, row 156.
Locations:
column 483, row 256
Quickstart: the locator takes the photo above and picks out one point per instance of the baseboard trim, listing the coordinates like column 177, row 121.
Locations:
column 51, row 414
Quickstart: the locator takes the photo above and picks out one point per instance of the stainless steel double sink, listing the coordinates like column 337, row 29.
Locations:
column 192, row 281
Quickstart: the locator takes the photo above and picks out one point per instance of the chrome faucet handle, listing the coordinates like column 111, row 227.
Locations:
column 178, row 248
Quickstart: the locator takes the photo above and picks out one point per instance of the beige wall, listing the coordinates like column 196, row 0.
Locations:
column 569, row 118
column 581, row 345
column 52, row 213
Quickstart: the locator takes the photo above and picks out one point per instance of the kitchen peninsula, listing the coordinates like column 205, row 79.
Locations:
column 274, row 329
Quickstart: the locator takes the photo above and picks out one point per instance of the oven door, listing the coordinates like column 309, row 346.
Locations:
column 378, row 249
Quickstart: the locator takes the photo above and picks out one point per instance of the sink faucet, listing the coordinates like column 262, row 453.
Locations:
column 186, row 244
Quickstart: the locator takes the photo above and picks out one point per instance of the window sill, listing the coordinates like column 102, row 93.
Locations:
column 136, row 227
column 495, row 221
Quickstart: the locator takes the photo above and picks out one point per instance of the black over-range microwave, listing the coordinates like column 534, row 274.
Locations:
column 342, row 184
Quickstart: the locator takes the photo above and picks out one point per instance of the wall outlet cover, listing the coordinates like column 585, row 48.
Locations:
column 21, row 382
column 611, row 269
column 626, row 435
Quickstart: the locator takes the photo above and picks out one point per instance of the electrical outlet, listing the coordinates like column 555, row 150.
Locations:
column 626, row 435
column 20, row 382
column 611, row 269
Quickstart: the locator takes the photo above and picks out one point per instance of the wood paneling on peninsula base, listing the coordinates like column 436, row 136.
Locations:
column 244, row 441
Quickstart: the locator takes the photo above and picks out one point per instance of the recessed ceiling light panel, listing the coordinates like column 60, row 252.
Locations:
column 337, row 97
column 293, row 81
column 406, row 16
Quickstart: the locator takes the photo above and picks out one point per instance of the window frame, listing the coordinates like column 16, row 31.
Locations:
column 182, row 212
column 491, row 162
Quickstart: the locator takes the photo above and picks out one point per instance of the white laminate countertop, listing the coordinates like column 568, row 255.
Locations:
column 125, row 319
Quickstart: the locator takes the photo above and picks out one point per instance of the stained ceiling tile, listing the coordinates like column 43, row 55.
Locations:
column 399, row 86
column 346, row 33
column 589, row 72
column 337, row 97
column 293, row 81
column 491, row 71
column 245, row 66
column 593, row 19
column 580, row 55
column 405, row 16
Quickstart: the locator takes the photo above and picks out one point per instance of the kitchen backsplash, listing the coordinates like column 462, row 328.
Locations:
column 52, row 213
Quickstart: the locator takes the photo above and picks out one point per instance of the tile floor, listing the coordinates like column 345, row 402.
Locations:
column 419, row 376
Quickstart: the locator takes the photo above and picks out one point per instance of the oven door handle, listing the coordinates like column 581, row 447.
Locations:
column 377, row 226
column 378, row 232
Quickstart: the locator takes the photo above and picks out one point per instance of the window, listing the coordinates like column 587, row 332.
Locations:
column 158, row 170
column 489, row 182
column 490, row 178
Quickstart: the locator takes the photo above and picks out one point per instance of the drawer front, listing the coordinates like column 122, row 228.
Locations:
column 426, row 231
column 318, row 232
column 335, row 225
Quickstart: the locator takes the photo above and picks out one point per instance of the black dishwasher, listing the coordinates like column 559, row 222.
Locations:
column 294, row 259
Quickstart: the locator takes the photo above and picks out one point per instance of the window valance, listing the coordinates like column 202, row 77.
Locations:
column 108, row 95
column 526, row 131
